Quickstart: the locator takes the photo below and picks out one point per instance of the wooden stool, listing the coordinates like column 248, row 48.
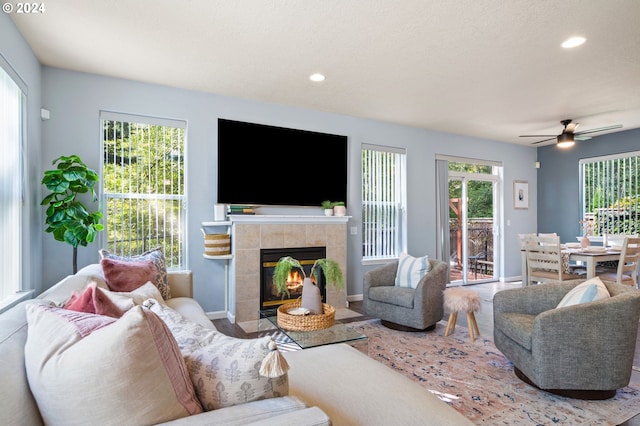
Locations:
column 458, row 299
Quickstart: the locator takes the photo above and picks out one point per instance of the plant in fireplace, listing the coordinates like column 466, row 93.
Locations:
column 311, row 297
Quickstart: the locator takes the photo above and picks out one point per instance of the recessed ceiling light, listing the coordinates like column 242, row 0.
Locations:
column 316, row 77
column 573, row 42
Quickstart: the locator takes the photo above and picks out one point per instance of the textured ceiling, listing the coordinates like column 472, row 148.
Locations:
column 486, row 68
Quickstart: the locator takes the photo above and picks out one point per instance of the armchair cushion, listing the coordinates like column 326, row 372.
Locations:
column 411, row 270
column 589, row 291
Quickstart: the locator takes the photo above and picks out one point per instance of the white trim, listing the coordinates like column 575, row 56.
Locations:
column 454, row 159
column 143, row 119
column 264, row 218
column 609, row 157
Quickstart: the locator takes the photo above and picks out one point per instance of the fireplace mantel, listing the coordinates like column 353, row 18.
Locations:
column 286, row 219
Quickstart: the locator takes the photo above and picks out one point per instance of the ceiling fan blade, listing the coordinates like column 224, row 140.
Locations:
column 599, row 129
column 544, row 140
column 538, row 136
column 581, row 138
column 571, row 127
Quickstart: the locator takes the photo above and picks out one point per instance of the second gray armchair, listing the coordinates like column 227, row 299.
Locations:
column 406, row 308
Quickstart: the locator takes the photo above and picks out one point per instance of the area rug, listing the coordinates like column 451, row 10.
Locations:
column 478, row 381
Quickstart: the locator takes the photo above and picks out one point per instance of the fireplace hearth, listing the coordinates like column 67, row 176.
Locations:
column 269, row 297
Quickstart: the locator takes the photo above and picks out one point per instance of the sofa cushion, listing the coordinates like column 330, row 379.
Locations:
column 92, row 369
column 157, row 257
column 589, row 291
column 411, row 270
column 398, row 296
column 518, row 327
column 93, row 300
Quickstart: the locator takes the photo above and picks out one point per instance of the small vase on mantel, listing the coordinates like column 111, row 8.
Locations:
column 311, row 297
column 584, row 242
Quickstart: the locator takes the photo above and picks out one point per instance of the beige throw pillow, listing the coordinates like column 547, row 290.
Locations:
column 91, row 369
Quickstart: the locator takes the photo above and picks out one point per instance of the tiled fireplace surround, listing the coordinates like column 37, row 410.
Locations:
column 251, row 233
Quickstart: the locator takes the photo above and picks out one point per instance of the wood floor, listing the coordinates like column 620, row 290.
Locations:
column 484, row 318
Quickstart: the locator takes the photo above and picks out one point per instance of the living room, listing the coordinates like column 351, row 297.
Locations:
column 75, row 99
column 63, row 109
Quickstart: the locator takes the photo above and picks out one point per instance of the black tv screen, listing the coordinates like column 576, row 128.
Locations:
column 276, row 166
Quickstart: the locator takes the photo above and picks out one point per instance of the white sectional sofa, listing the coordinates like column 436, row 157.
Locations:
column 334, row 384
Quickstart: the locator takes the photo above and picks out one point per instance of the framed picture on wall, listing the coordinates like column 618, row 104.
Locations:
column 520, row 194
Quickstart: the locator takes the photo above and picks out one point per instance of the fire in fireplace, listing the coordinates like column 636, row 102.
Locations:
column 269, row 297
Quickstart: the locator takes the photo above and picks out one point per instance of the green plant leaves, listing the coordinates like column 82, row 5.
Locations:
column 67, row 218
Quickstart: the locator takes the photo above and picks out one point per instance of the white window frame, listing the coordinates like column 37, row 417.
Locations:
column 12, row 183
column 389, row 194
column 181, row 225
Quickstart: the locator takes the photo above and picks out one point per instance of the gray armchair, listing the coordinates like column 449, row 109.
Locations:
column 582, row 351
column 403, row 308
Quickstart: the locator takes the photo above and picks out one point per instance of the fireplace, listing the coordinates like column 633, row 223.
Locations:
column 269, row 297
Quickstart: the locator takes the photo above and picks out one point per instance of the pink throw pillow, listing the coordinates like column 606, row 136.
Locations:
column 93, row 301
column 127, row 275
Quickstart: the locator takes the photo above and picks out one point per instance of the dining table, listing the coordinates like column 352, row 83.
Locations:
column 589, row 256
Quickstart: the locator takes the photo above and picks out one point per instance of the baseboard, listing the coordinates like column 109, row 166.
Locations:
column 216, row 315
column 354, row 298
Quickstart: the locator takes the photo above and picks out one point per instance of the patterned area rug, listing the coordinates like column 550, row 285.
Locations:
column 478, row 381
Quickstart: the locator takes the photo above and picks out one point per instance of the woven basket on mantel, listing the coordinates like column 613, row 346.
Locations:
column 305, row 322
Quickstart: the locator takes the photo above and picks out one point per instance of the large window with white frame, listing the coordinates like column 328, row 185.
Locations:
column 383, row 202
column 610, row 194
column 12, row 101
column 144, row 186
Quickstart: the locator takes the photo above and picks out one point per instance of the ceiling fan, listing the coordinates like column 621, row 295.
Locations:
column 569, row 135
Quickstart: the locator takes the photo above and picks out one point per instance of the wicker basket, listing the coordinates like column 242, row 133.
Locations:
column 305, row 322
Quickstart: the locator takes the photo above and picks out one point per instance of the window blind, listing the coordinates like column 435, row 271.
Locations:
column 143, row 185
column 383, row 201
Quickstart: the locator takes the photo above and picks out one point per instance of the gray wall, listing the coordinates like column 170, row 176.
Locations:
column 558, row 180
column 75, row 100
column 17, row 53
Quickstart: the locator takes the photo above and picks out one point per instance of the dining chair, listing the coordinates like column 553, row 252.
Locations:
column 627, row 270
column 545, row 263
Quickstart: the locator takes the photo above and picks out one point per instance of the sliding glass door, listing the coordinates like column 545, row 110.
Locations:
column 472, row 223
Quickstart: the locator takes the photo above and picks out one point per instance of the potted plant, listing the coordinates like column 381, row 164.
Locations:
column 67, row 218
column 311, row 297
column 327, row 206
column 339, row 208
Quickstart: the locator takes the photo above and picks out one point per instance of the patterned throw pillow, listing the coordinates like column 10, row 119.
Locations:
column 92, row 369
column 411, row 270
column 161, row 279
column 225, row 370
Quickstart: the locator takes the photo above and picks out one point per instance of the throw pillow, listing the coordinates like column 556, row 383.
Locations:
column 188, row 334
column 230, row 371
column 589, row 291
column 127, row 275
column 411, row 270
column 126, row 300
column 225, row 370
column 161, row 279
column 93, row 301
column 92, row 369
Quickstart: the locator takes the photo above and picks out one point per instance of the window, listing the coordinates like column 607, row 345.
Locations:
column 383, row 202
column 610, row 198
column 143, row 182
column 11, row 185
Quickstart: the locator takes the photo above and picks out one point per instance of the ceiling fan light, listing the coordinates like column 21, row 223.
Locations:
column 565, row 140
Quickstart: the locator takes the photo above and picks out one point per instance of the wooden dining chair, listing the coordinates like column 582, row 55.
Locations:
column 544, row 261
column 627, row 271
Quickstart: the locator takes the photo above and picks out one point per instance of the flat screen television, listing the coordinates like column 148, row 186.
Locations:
column 276, row 166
